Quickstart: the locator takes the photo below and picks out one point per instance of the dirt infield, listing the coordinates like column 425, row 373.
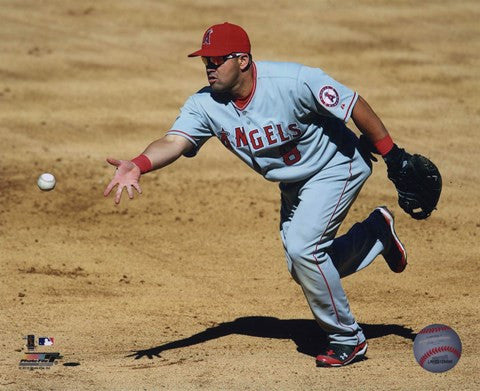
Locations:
column 186, row 287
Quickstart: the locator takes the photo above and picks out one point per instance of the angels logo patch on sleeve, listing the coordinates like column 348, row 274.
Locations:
column 329, row 96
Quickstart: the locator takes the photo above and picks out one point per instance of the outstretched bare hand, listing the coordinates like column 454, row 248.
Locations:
column 126, row 176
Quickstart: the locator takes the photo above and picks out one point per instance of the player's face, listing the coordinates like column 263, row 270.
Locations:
column 223, row 73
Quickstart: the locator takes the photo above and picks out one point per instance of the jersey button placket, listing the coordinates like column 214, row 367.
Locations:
column 247, row 121
column 246, row 118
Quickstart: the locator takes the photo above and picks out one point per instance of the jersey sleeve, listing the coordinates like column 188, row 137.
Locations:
column 320, row 93
column 192, row 125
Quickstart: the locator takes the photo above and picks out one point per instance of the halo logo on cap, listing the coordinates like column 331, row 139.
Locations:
column 206, row 37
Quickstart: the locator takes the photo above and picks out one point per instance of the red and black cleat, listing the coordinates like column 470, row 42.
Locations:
column 394, row 253
column 337, row 355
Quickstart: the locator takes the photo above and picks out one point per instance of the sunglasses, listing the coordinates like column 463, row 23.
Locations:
column 215, row 61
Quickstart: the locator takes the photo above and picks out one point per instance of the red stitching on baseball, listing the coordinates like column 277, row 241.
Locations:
column 436, row 350
column 435, row 330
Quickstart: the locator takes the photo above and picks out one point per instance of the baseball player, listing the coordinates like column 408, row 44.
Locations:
column 287, row 122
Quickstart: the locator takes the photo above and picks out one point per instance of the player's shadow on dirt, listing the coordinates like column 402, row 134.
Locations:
column 306, row 334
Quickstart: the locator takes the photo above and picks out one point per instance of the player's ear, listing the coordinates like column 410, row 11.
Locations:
column 245, row 61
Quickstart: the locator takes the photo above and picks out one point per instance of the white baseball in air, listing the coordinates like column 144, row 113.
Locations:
column 46, row 181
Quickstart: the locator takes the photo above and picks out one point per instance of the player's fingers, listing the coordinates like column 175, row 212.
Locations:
column 118, row 194
column 137, row 187
column 113, row 162
column 130, row 191
column 109, row 188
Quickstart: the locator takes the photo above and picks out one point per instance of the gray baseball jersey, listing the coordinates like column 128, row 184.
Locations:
column 282, row 131
column 292, row 130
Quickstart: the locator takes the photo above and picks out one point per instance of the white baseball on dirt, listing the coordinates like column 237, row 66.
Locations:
column 46, row 181
column 437, row 348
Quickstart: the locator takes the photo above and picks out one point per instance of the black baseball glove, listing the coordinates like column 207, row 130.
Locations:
column 417, row 180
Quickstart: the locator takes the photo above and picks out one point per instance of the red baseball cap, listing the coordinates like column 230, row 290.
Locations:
column 223, row 39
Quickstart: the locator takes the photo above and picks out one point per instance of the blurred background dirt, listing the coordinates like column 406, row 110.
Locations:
column 186, row 287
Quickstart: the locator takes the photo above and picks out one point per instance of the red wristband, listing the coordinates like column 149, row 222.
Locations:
column 143, row 163
column 384, row 145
